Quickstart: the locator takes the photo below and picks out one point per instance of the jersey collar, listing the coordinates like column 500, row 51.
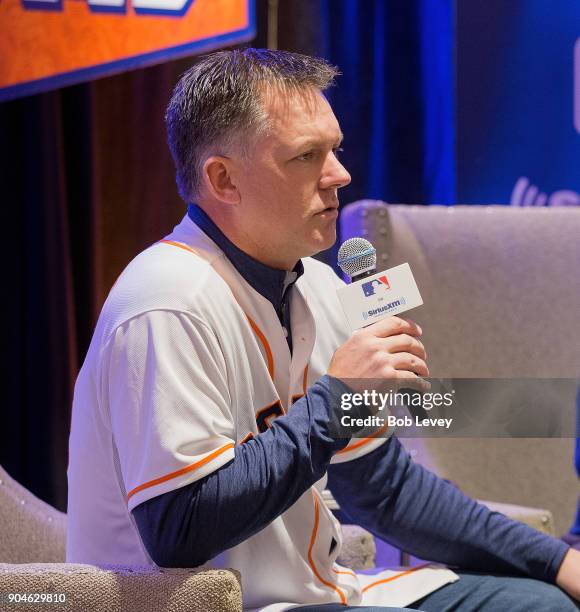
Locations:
column 269, row 282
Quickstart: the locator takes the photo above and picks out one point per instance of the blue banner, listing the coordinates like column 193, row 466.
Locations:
column 518, row 102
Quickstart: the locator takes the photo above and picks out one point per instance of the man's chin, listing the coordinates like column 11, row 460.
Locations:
column 322, row 242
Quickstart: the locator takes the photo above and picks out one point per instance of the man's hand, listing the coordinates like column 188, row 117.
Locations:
column 389, row 349
column 568, row 577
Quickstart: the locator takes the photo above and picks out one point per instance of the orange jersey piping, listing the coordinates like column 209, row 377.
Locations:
column 410, row 571
column 311, row 561
column 185, row 470
column 179, row 245
column 265, row 344
column 362, row 442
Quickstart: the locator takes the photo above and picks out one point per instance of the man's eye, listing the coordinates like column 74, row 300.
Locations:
column 337, row 151
column 306, row 156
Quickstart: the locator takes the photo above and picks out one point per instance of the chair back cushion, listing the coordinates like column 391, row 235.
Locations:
column 31, row 531
column 501, row 291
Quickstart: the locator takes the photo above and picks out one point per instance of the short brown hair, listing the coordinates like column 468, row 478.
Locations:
column 220, row 97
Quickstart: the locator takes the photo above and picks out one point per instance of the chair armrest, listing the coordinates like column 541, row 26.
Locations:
column 122, row 588
column 358, row 548
column 538, row 518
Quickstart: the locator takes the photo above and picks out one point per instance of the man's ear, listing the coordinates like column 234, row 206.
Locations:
column 217, row 178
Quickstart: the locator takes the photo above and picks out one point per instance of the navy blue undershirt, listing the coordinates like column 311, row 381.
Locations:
column 384, row 491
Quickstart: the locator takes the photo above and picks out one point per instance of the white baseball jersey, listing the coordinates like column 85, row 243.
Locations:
column 185, row 360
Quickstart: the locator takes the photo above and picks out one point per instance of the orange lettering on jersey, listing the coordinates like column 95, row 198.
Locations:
column 247, row 437
column 265, row 415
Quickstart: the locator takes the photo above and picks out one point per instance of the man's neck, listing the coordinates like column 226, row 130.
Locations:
column 273, row 284
column 270, row 281
column 243, row 240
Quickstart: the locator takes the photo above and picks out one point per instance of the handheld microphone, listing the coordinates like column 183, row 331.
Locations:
column 371, row 295
column 357, row 258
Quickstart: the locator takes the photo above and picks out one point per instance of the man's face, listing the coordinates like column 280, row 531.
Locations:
column 288, row 182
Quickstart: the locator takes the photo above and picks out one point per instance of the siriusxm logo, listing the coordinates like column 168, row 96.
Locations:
column 526, row 194
column 369, row 288
column 382, row 309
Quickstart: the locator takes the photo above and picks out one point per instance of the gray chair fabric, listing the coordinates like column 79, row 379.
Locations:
column 358, row 548
column 32, row 554
column 121, row 589
column 31, row 531
column 501, row 291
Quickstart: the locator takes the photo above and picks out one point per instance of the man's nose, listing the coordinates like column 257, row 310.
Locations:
column 334, row 174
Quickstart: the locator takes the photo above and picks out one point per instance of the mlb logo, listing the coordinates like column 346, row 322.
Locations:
column 369, row 288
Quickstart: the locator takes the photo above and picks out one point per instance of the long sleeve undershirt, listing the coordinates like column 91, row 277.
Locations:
column 410, row 507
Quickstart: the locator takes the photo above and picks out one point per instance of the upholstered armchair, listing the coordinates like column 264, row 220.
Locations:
column 501, row 298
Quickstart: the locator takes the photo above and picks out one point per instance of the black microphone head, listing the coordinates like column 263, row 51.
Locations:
column 357, row 257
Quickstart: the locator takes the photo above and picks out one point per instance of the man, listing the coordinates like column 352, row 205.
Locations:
column 200, row 426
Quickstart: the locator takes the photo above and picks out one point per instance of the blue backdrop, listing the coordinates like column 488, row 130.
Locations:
column 516, row 138
column 395, row 98
column 457, row 102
